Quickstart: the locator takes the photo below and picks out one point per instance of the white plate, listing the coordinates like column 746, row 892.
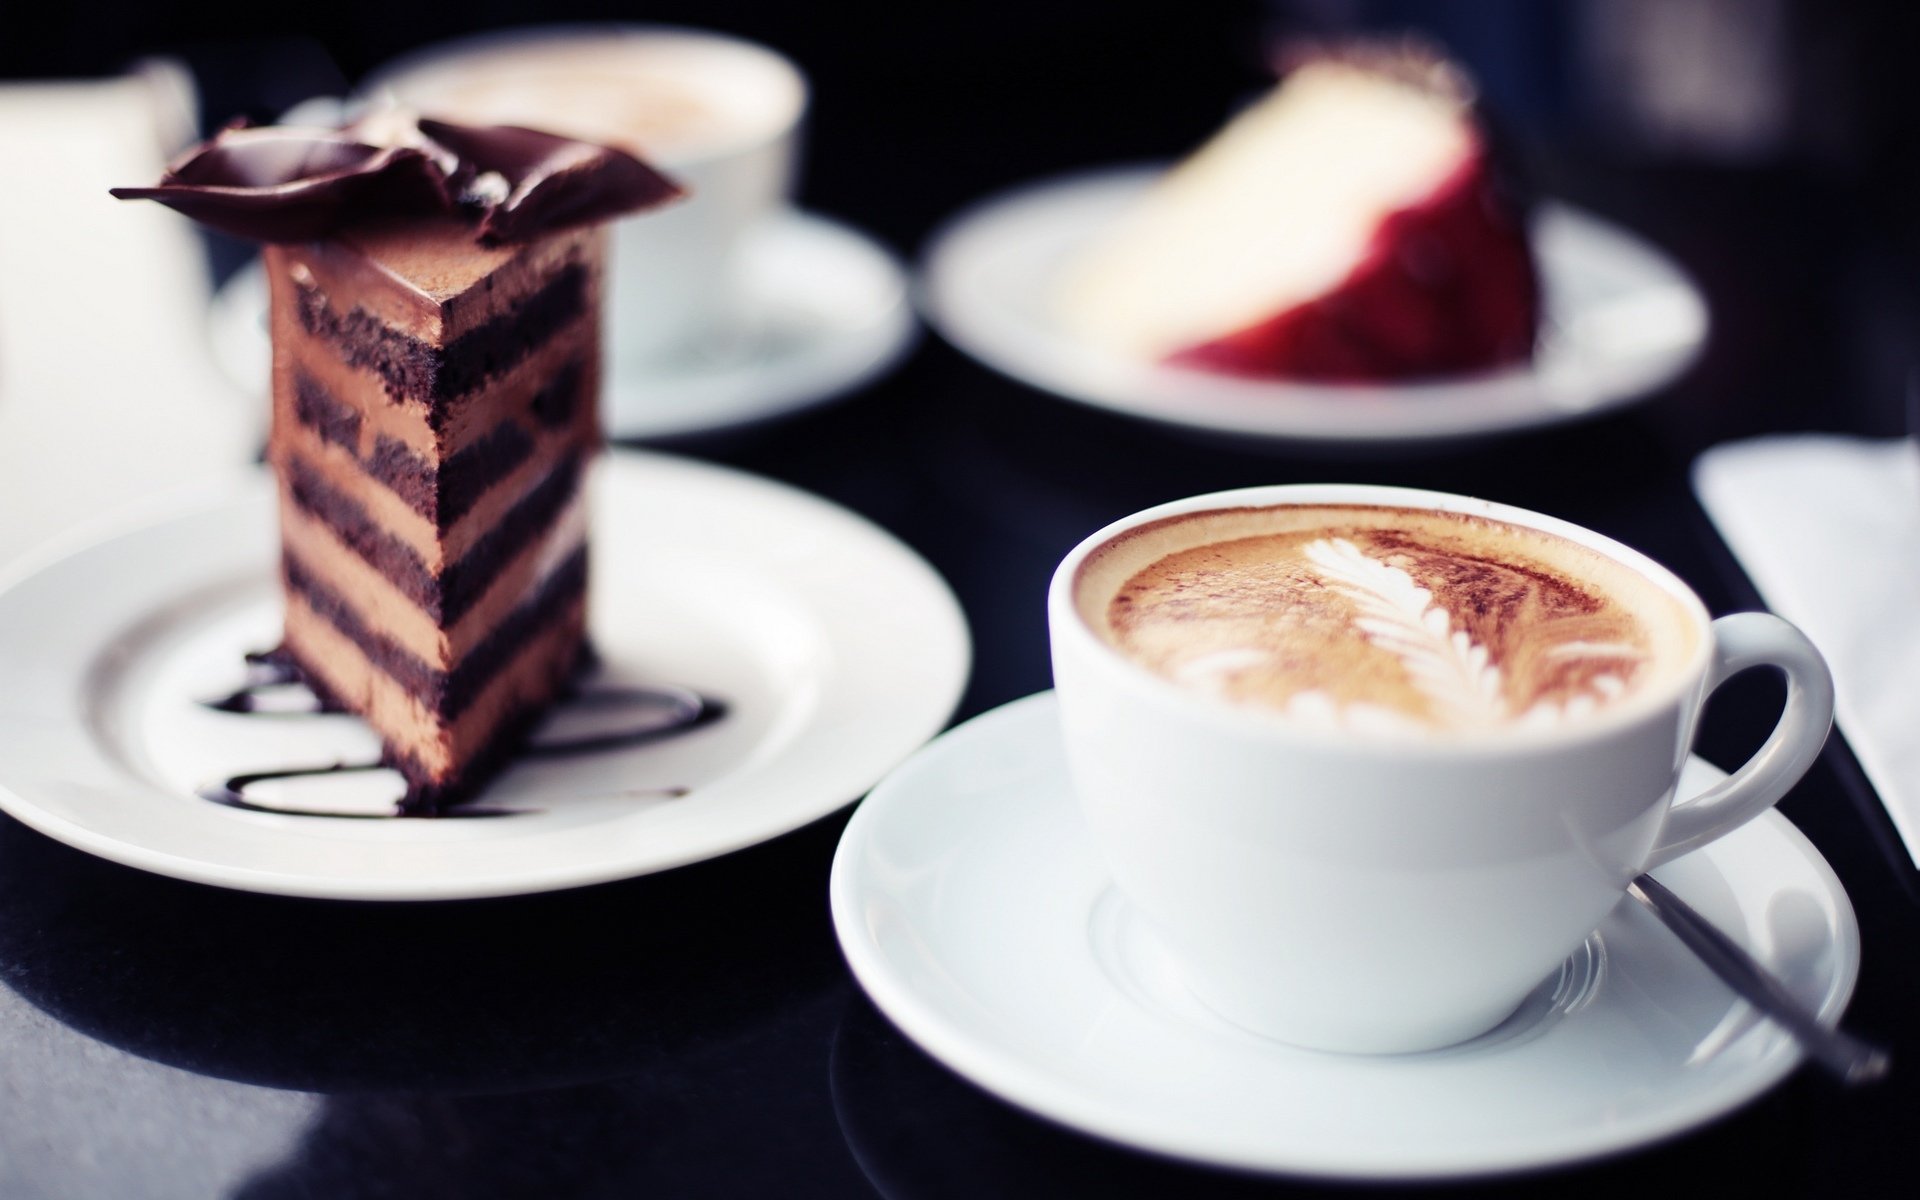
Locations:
column 1621, row 322
column 824, row 310
column 835, row 648
column 974, row 912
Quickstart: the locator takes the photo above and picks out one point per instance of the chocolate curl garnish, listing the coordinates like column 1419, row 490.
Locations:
column 526, row 182
column 289, row 184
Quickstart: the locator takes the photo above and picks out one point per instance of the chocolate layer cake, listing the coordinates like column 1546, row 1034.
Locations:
column 435, row 319
column 434, row 412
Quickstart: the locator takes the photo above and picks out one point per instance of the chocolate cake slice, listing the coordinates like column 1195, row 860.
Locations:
column 434, row 413
column 435, row 317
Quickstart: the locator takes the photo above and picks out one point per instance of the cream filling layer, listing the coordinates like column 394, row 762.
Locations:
column 428, row 278
column 346, row 474
column 471, row 417
column 534, row 676
column 381, row 605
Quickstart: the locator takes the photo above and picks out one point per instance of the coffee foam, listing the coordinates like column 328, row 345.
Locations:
column 1383, row 618
column 666, row 96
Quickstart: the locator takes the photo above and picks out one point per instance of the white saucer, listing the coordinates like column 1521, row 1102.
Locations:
column 1622, row 321
column 835, row 649
column 824, row 311
column 974, row 913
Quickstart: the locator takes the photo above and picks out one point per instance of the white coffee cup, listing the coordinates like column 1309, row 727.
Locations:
column 1365, row 894
column 718, row 114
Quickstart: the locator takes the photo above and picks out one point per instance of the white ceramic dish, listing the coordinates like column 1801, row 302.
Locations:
column 836, row 650
column 1621, row 322
column 823, row 311
column 975, row 913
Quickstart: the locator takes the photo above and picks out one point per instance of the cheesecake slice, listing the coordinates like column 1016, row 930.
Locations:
column 434, row 417
column 1348, row 227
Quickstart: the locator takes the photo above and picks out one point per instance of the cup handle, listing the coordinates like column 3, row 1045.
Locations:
column 1741, row 641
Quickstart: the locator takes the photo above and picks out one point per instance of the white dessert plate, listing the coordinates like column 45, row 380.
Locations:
column 834, row 649
column 823, row 311
column 1621, row 322
column 974, row 912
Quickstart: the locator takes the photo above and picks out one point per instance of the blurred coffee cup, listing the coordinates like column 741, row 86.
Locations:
column 719, row 114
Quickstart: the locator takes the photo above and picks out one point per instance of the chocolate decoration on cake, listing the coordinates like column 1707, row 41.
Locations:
column 292, row 184
column 435, row 313
column 550, row 182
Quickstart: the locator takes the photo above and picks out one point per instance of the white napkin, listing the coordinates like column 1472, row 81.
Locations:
column 108, row 395
column 1828, row 528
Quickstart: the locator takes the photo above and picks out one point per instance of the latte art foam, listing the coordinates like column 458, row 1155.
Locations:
column 1387, row 619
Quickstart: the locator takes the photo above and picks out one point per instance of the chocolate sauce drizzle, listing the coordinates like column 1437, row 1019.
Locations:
column 270, row 682
column 273, row 689
column 232, row 792
column 686, row 710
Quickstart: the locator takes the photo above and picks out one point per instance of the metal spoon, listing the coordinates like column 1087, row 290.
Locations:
column 1849, row 1059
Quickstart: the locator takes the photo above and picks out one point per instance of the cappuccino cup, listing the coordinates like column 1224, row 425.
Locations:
column 1372, row 762
column 719, row 115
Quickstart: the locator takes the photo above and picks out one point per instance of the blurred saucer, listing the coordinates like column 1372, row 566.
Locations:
column 976, row 915
column 1621, row 322
column 823, row 311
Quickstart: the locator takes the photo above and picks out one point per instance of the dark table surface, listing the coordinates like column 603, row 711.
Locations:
column 697, row 1033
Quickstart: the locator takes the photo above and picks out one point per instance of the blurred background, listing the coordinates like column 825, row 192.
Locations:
column 1771, row 144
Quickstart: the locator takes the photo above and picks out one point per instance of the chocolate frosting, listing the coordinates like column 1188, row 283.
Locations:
column 292, row 184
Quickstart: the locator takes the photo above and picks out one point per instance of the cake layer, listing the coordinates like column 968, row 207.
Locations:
column 413, row 368
column 435, row 546
column 445, row 595
column 445, row 694
column 445, row 491
column 321, row 411
column 440, row 490
column 442, row 759
column 427, row 279
column 393, row 604
column 561, row 400
column 421, row 390
column 537, row 387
